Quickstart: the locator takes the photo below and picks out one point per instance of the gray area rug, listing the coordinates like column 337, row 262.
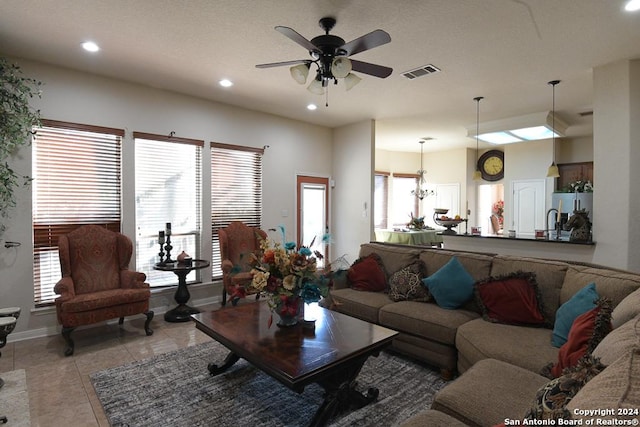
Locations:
column 175, row 389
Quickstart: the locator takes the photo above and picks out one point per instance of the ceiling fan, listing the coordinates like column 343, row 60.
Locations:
column 331, row 55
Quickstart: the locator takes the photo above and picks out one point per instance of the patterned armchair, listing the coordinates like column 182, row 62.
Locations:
column 96, row 283
column 237, row 240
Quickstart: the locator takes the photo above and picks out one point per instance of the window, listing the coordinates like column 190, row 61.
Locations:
column 381, row 195
column 404, row 203
column 168, row 188
column 76, row 171
column 236, row 192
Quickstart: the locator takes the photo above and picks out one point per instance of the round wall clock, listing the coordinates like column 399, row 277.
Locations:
column 491, row 165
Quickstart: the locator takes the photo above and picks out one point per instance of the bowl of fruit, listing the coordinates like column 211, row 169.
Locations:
column 446, row 221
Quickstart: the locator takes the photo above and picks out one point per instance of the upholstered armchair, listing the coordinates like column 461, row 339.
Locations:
column 237, row 241
column 96, row 283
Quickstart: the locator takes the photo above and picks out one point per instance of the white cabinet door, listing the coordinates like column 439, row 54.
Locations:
column 528, row 206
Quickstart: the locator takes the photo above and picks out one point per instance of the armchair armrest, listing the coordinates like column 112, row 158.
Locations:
column 132, row 279
column 65, row 289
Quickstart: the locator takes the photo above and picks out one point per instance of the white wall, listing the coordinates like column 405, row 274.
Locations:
column 353, row 167
column 89, row 99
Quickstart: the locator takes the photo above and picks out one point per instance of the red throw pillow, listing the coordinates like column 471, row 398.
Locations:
column 510, row 299
column 367, row 274
column 586, row 333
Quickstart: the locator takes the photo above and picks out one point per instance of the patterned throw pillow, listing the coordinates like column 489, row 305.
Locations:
column 513, row 299
column 552, row 398
column 406, row 284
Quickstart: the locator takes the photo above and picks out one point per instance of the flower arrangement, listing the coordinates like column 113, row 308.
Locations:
column 417, row 223
column 287, row 275
column 578, row 186
column 498, row 209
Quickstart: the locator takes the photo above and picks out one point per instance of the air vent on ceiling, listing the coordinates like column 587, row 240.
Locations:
column 421, row 71
column 586, row 113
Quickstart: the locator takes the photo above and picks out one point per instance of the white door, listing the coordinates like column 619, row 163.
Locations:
column 528, row 213
column 313, row 214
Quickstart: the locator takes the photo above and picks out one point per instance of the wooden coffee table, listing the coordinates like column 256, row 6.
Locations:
column 331, row 354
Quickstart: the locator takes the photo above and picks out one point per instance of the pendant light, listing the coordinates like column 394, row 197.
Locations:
column 420, row 192
column 553, row 169
column 477, row 176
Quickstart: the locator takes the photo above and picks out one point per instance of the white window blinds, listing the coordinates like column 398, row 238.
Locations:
column 236, row 191
column 76, row 171
column 168, row 188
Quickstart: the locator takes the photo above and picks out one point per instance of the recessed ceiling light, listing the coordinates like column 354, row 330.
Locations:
column 632, row 6
column 90, row 47
column 226, row 83
column 312, row 107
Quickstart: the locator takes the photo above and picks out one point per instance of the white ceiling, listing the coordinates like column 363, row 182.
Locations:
column 504, row 50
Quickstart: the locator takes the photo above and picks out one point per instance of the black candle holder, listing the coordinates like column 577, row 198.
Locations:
column 161, row 254
column 168, row 248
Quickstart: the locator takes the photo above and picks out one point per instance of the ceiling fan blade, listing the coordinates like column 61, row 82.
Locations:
column 284, row 63
column 368, row 41
column 371, row 69
column 296, row 37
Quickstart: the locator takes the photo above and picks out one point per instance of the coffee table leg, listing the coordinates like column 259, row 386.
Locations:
column 341, row 394
column 228, row 362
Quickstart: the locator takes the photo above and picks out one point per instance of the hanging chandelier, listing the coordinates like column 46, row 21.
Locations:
column 477, row 175
column 553, row 171
column 421, row 192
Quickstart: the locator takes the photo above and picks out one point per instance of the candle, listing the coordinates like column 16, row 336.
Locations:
column 560, row 206
column 168, row 229
column 161, row 237
column 466, row 211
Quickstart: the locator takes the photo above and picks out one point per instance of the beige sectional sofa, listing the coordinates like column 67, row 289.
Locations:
column 503, row 360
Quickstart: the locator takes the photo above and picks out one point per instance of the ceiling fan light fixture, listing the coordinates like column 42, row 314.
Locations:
column 300, row 73
column 341, row 67
column 316, row 87
column 351, row 80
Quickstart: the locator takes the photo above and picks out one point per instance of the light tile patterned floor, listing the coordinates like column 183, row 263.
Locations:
column 60, row 393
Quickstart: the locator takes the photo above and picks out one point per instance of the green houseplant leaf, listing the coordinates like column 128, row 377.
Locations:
column 17, row 120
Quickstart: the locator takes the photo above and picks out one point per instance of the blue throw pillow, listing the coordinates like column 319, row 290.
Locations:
column 451, row 286
column 583, row 301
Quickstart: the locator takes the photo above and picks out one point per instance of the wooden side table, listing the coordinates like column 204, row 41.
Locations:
column 182, row 312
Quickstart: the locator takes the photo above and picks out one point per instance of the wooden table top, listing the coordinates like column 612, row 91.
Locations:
column 296, row 356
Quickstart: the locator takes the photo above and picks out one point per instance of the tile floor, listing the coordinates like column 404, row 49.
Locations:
column 59, row 389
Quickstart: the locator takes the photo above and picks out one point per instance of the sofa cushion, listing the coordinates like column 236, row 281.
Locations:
column 451, row 286
column 367, row 274
column 549, row 277
column 393, row 257
column 619, row 341
column 479, row 397
column 361, row 304
column 511, row 299
column 523, row 346
column 406, row 284
column 586, row 333
column 628, row 309
column 477, row 265
column 581, row 302
column 612, row 284
column 618, row 386
column 425, row 320
column 552, row 398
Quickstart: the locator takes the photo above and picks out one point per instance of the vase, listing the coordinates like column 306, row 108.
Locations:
column 288, row 311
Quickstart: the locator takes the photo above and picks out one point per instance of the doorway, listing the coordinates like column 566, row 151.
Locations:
column 312, row 221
